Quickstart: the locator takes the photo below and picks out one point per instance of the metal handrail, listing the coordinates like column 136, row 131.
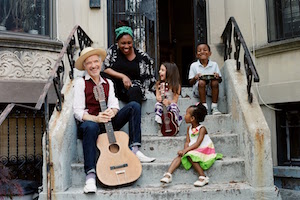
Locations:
column 238, row 40
column 56, row 77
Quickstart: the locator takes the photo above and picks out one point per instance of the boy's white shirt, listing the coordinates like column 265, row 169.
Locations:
column 197, row 67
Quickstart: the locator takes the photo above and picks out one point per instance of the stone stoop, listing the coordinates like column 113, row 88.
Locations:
column 227, row 191
column 227, row 176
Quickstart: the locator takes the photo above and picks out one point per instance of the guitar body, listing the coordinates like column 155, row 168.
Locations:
column 169, row 125
column 117, row 164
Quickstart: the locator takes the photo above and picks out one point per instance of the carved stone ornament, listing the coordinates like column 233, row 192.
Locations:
column 25, row 65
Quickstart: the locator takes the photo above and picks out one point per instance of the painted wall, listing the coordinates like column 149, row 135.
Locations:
column 92, row 21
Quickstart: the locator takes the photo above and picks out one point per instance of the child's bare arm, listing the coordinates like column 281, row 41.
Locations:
column 158, row 94
column 198, row 142
column 187, row 140
column 194, row 79
column 186, row 144
column 176, row 96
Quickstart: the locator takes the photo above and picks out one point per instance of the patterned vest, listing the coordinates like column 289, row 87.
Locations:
column 90, row 102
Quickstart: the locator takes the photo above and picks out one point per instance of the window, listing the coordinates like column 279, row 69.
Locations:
column 288, row 134
column 25, row 16
column 283, row 19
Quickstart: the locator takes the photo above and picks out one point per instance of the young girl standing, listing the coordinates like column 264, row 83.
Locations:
column 198, row 151
column 167, row 91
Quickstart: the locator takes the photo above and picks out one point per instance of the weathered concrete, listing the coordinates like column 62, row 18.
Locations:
column 63, row 134
column 155, row 146
column 231, row 191
column 249, row 121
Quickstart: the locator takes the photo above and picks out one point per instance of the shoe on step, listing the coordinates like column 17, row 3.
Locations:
column 215, row 111
column 167, row 178
column 90, row 186
column 203, row 180
column 143, row 158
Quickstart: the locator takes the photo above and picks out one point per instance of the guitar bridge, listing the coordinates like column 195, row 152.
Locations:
column 118, row 166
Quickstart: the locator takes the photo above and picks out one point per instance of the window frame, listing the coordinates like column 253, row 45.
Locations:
column 52, row 27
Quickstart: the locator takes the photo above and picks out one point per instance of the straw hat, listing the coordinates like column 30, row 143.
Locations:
column 87, row 52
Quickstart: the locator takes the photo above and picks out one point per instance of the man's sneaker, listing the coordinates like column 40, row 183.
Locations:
column 143, row 158
column 215, row 111
column 90, row 186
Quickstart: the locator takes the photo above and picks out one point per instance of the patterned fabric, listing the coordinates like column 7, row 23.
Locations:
column 147, row 79
column 205, row 154
column 173, row 107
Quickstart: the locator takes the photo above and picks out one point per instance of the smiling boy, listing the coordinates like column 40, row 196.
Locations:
column 201, row 86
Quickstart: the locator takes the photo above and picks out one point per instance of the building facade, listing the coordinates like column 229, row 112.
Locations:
column 32, row 34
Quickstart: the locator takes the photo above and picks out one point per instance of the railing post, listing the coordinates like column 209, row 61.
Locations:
column 238, row 41
column 48, row 164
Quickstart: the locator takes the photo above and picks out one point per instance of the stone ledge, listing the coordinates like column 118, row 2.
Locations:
column 286, row 171
column 277, row 47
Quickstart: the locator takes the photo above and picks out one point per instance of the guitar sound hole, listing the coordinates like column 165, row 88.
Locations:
column 114, row 148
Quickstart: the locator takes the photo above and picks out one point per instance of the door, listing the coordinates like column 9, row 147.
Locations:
column 168, row 30
column 182, row 25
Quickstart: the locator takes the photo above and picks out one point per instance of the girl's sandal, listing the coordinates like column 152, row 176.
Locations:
column 203, row 180
column 167, row 178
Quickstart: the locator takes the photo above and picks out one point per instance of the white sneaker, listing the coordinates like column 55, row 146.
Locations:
column 215, row 111
column 90, row 186
column 167, row 178
column 143, row 158
column 204, row 180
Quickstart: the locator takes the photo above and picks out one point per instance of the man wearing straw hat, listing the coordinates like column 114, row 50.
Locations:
column 91, row 118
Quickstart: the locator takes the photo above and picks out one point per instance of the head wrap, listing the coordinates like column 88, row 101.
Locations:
column 122, row 30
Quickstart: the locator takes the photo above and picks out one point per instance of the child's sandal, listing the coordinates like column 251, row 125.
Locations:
column 200, row 183
column 166, row 179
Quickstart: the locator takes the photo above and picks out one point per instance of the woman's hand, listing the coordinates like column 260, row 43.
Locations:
column 126, row 81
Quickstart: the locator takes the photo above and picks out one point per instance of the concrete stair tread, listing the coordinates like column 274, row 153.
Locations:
column 170, row 186
column 182, row 137
column 158, row 161
column 232, row 191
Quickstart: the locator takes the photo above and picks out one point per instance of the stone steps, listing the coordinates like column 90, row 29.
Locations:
column 227, row 191
column 223, row 171
column 165, row 148
column 213, row 124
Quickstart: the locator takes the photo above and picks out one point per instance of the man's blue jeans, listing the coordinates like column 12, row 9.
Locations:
column 131, row 113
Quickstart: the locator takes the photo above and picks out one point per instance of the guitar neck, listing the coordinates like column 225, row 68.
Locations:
column 108, row 126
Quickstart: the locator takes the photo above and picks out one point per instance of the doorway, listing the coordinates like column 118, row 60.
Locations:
column 168, row 30
column 176, row 34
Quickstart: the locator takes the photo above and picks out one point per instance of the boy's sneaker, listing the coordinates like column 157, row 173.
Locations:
column 215, row 111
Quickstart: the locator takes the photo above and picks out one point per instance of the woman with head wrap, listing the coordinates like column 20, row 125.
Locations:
column 130, row 68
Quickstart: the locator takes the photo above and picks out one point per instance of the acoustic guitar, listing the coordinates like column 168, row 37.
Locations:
column 117, row 164
column 169, row 125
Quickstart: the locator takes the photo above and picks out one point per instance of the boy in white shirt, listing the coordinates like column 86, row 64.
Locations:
column 203, row 84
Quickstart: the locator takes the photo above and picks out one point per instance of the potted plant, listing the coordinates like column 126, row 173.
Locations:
column 9, row 187
column 5, row 8
column 31, row 17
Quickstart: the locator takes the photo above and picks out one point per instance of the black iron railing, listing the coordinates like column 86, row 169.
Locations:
column 238, row 41
column 56, row 78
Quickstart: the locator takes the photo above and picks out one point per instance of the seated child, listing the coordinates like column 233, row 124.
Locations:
column 204, row 66
column 198, row 151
